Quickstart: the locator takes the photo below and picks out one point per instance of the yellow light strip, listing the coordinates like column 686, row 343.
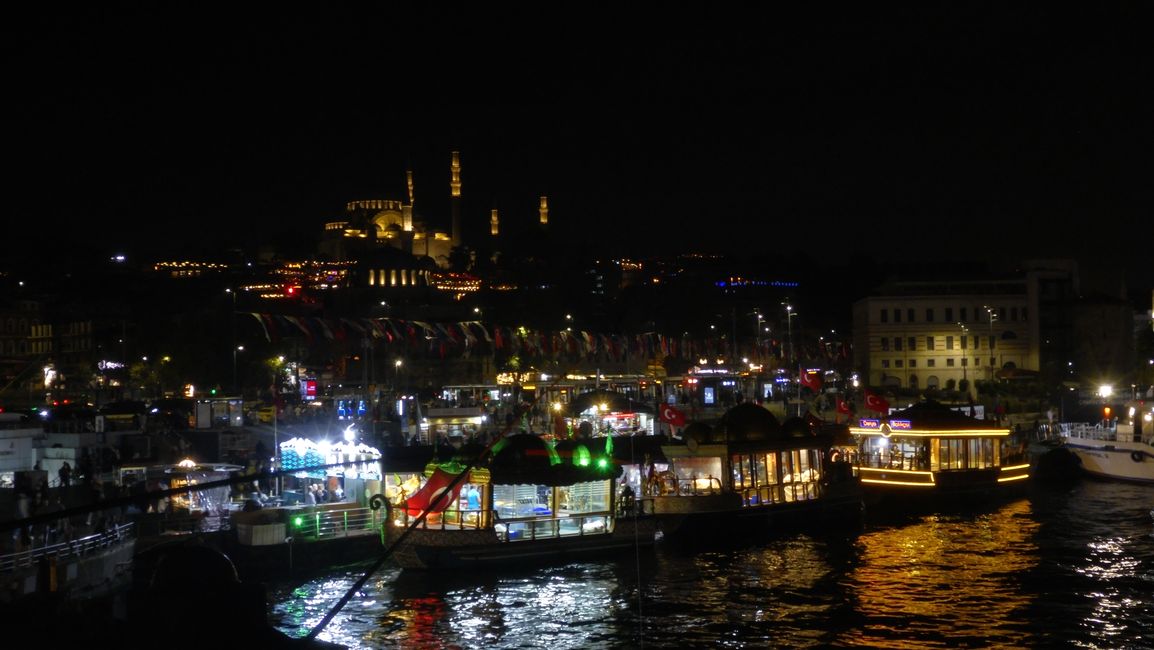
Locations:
column 1013, row 478
column 910, row 483
column 895, row 471
column 1013, row 467
column 984, row 433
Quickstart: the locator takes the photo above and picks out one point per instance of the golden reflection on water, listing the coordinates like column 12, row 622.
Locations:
column 945, row 580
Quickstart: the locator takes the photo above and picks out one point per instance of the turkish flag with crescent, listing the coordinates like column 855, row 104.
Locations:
column 426, row 497
column 671, row 415
column 875, row 402
column 811, row 380
column 843, row 406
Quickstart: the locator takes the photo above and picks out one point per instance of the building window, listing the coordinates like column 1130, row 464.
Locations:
column 885, row 315
column 910, row 315
column 930, row 343
column 929, row 363
column 1013, row 313
column 913, row 344
column 885, row 344
column 929, row 314
column 949, row 343
column 963, row 312
column 965, row 361
column 897, row 315
column 950, row 362
column 913, row 363
column 898, row 363
column 949, row 314
column 898, row 343
column 885, row 363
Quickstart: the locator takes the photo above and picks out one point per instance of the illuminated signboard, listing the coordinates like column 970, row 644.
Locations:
column 900, row 424
column 869, row 423
column 309, row 389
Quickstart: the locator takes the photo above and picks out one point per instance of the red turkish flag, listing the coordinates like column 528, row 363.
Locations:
column 875, row 402
column 671, row 415
column 427, row 495
column 843, row 406
column 811, row 380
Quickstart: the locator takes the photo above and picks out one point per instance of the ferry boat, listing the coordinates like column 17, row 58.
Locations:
column 1110, row 450
column 930, row 450
column 746, row 474
column 527, row 504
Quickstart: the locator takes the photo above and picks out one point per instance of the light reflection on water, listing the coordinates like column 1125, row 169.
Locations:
column 1065, row 567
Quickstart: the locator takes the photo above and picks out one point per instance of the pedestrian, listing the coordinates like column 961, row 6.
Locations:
column 65, row 473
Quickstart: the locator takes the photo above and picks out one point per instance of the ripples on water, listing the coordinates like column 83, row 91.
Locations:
column 1067, row 566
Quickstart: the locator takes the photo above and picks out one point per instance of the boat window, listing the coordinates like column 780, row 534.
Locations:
column 762, row 466
column 981, row 453
column 742, row 472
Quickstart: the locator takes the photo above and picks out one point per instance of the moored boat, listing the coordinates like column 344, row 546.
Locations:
column 931, row 451
column 748, row 474
column 1110, row 450
column 527, row 504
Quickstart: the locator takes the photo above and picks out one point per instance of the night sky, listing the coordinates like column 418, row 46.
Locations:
column 996, row 130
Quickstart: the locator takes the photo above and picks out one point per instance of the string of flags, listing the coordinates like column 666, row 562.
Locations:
column 461, row 338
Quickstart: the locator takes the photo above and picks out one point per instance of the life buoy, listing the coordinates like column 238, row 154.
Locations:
column 1136, row 456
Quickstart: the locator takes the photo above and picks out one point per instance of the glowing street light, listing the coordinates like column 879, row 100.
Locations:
column 789, row 314
column 993, row 317
column 965, row 330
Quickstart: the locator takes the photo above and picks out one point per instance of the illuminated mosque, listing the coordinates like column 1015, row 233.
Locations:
column 393, row 246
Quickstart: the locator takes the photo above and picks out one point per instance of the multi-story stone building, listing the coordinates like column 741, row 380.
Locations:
column 946, row 334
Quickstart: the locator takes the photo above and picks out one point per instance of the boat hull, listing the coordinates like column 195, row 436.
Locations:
column 435, row 548
column 698, row 518
column 1131, row 461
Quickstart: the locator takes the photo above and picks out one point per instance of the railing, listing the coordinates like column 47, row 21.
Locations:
column 1087, row 431
column 513, row 530
column 764, row 495
column 516, row 530
column 87, row 545
column 324, row 524
column 669, row 484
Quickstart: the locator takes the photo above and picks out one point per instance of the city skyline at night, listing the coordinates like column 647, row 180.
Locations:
column 985, row 134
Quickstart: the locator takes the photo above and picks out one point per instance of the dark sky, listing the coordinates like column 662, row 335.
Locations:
column 990, row 129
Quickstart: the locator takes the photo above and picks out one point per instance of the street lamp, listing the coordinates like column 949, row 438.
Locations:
column 965, row 379
column 396, row 374
column 757, row 333
column 232, row 326
column 235, row 385
column 789, row 314
column 993, row 317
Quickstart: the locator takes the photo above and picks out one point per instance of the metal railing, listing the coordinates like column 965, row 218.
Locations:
column 324, row 524
column 87, row 545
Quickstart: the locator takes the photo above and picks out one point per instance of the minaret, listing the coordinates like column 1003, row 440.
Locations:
column 455, row 198
column 543, row 210
column 407, row 211
column 493, row 228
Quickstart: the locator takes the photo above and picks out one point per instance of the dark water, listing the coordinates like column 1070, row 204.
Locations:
column 1065, row 566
